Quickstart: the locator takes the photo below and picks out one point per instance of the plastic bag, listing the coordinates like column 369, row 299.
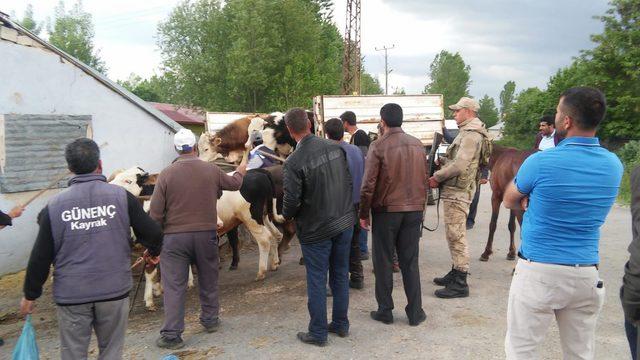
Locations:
column 26, row 347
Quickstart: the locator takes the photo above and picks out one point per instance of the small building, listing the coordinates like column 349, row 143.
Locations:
column 190, row 118
column 47, row 99
column 496, row 131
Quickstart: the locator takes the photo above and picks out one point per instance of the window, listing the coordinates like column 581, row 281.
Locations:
column 32, row 149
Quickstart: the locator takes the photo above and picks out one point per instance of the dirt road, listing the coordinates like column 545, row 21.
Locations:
column 260, row 320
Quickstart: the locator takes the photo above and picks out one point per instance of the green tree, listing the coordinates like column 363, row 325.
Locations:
column 506, row 98
column 450, row 76
column 399, row 91
column 249, row 55
column 488, row 112
column 521, row 123
column 28, row 22
column 369, row 85
column 156, row 88
column 614, row 67
column 73, row 33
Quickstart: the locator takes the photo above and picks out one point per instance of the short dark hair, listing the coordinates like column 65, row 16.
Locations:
column 82, row 156
column 548, row 119
column 297, row 120
column 334, row 129
column 349, row 117
column 585, row 105
column 391, row 114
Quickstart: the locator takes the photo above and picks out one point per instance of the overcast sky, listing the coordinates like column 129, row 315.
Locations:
column 521, row 40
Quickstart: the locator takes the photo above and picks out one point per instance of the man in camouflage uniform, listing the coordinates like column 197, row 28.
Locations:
column 458, row 178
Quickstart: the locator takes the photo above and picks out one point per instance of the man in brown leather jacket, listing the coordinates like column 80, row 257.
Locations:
column 394, row 189
column 458, row 177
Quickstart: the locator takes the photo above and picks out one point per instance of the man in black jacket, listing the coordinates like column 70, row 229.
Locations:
column 317, row 193
column 85, row 233
column 630, row 292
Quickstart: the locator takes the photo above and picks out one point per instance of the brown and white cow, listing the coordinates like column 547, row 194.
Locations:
column 140, row 183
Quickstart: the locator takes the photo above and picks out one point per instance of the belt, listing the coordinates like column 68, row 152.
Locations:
column 570, row 265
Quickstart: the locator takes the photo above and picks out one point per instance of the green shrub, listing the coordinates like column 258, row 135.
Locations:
column 629, row 154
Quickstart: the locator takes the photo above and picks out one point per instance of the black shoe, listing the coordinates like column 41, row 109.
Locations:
column 212, row 327
column 172, row 344
column 421, row 318
column 356, row 284
column 378, row 316
column 457, row 288
column 364, row 256
column 470, row 225
column 443, row 281
column 341, row 333
column 308, row 339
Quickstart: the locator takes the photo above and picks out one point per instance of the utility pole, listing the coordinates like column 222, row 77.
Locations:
column 386, row 67
column 351, row 58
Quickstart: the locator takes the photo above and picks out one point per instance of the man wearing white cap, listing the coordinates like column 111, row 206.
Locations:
column 184, row 203
column 458, row 178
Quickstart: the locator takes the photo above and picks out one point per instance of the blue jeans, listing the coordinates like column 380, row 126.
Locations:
column 330, row 255
column 364, row 248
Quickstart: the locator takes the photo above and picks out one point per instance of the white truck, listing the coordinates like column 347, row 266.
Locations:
column 423, row 114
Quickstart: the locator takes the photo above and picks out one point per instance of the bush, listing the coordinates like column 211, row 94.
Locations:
column 629, row 154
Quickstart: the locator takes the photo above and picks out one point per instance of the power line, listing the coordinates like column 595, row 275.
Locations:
column 386, row 67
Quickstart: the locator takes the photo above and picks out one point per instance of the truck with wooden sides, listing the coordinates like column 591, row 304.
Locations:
column 423, row 115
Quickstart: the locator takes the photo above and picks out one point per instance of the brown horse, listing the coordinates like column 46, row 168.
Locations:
column 503, row 164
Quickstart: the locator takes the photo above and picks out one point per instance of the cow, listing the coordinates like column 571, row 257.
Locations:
column 140, row 183
column 228, row 143
column 253, row 207
column 287, row 227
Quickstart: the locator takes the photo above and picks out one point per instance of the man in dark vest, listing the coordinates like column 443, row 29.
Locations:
column 84, row 232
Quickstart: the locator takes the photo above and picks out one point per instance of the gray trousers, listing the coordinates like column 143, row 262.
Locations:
column 108, row 319
column 179, row 251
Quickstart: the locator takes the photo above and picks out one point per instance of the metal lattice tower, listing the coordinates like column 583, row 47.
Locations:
column 351, row 61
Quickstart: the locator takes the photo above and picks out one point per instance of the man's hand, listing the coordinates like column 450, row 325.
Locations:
column 524, row 203
column 26, row 306
column 433, row 183
column 483, row 181
column 16, row 211
column 364, row 224
column 150, row 259
column 242, row 168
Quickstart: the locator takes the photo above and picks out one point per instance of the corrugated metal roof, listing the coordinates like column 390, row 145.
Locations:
column 8, row 23
column 179, row 114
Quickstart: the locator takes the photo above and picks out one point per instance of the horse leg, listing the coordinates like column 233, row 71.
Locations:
column 495, row 211
column 232, row 235
column 512, row 230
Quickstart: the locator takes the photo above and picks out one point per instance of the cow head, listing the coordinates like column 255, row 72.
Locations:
column 256, row 124
column 128, row 179
column 284, row 142
column 206, row 147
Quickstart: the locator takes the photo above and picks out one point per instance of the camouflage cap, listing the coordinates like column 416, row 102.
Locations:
column 465, row 103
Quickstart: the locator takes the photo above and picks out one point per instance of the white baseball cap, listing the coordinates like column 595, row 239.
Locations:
column 184, row 138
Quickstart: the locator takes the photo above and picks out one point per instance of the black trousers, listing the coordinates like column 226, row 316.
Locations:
column 473, row 208
column 355, row 264
column 402, row 231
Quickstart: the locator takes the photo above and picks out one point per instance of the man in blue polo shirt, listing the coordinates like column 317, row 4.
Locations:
column 567, row 193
